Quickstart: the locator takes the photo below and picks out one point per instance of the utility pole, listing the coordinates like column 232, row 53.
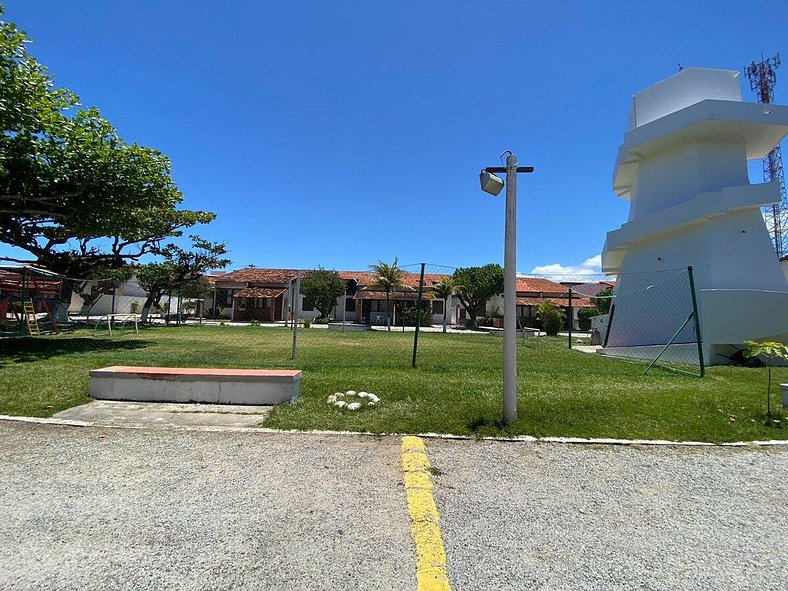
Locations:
column 492, row 184
column 510, row 295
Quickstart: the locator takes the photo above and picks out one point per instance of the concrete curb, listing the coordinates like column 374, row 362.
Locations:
column 447, row 436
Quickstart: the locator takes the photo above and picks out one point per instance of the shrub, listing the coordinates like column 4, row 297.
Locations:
column 772, row 351
column 409, row 316
column 323, row 320
column 135, row 307
column 552, row 318
column 584, row 317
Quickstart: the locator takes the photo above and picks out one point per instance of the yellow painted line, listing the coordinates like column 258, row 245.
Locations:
column 431, row 573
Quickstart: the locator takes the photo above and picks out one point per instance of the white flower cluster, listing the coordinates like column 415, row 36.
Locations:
column 367, row 399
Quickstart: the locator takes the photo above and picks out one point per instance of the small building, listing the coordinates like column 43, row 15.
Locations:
column 255, row 293
column 532, row 292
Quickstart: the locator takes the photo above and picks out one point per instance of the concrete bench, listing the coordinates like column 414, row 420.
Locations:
column 176, row 384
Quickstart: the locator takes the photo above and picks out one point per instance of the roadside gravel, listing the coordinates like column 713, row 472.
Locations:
column 89, row 508
column 551, row 516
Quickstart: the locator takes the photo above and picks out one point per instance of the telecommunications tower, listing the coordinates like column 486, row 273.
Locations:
column 762, row 79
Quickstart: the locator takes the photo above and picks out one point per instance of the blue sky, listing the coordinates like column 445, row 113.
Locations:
column 341, row 133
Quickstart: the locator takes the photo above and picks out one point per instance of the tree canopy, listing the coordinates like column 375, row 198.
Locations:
column 475, row 285
column 387, row 277
column 180, row 268
column 443, row 290
column 321, row 288
column 602, row 300
column 73, row 193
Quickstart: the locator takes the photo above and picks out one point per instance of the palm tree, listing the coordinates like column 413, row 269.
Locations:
column 444, row 290
column 388, row 277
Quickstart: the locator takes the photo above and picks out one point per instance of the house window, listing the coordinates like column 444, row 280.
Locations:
column 350, row 305
column 306, row 306
column 242, row 303
column 437, row 307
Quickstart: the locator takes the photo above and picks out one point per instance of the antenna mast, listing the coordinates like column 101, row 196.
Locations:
column 762, row 79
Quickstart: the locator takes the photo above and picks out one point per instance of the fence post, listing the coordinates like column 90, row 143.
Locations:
column 570, row 318
column 296, row 290
column 697, row 321
column 418, row 316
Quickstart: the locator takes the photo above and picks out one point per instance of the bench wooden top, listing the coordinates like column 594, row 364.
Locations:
column 196, row 371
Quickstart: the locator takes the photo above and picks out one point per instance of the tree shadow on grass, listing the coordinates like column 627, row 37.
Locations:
column 27, row 349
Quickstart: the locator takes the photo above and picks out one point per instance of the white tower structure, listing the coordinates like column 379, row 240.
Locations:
column 683, row 167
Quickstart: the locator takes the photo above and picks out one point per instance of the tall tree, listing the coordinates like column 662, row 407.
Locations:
column 102, row 282
column 73, row 194
column 603, row 299
column 321, row 288
column 387, row 277
column 475, row 285
column 444, row 290
column 179, row 268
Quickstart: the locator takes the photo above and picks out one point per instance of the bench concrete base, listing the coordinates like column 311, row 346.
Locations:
column 222, row 386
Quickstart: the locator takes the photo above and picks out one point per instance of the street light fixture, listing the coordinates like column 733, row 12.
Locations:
column 492, row 184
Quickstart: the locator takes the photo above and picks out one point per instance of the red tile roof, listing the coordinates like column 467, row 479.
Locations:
column 561, row 302
column 259, row 292
column 539, row 285
column 376, row 294
column 591, row 289
column 367, row 278
column 258, row 275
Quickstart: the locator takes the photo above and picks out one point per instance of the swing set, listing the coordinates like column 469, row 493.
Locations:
column 27, row 292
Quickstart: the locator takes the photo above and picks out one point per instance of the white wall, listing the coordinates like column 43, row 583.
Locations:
column 691, row 204
column 681, row 90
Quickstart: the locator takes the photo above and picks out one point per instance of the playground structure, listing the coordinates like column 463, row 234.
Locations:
column 27, row 292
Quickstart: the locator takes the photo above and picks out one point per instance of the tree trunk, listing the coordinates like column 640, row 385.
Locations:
column 388, row 311
column 471, row 318
column 146, row 309
column 64, row 302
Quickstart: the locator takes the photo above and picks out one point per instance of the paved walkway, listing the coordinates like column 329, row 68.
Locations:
column 164, row 414
column 96, row 508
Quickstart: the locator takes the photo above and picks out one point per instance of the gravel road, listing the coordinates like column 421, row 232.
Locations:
column 85, row 508
column 101, row 508
column 551, row 516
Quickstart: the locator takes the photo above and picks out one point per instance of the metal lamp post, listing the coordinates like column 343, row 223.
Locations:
column 493, row 185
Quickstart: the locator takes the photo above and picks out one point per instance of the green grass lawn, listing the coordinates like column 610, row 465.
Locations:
column 456, row 388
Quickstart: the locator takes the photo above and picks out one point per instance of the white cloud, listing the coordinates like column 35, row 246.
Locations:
column 590, row 269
